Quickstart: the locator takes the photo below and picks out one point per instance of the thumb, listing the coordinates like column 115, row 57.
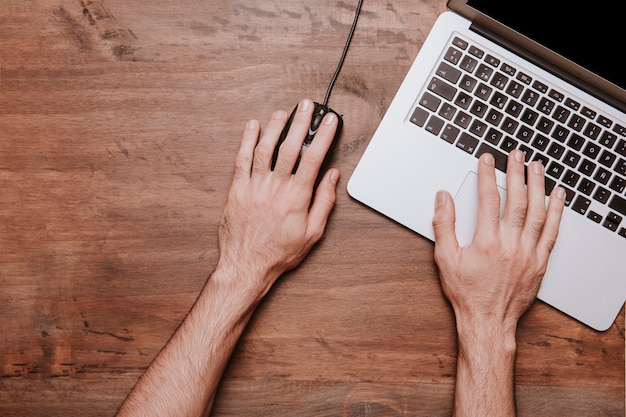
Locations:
column 443, row 222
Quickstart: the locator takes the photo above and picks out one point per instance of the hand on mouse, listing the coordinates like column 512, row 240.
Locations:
column 268, row 227
column 269, row 223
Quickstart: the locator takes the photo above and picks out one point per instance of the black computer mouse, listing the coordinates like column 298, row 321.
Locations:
column 319, row 112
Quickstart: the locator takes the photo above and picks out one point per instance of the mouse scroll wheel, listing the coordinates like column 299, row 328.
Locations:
column 317, row 121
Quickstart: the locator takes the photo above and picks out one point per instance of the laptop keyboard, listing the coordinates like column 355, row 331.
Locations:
column 479, row 103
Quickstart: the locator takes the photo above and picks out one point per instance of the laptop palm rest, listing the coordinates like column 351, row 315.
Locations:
column 466, row 205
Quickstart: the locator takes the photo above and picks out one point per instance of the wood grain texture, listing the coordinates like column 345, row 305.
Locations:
column 119, row 123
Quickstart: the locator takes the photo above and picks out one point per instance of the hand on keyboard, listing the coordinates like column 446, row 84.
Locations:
column 491, row 282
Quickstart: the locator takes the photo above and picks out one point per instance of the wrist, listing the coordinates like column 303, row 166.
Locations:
column 246, row 279
column 486, row 336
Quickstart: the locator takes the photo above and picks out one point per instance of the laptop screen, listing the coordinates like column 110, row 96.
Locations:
column 584, row 32
column 579, row 32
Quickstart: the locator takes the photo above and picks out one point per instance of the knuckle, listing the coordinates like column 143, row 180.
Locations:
column 519, row 216
column 262, row 151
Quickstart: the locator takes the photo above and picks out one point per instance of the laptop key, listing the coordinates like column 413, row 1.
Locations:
column 545, row 106
column 499, row 80
column 448, row 72
column 461, row 43
column 612, row 221
column 430, row 102
column 477, row 52
column 467, row 143
column 571, row 159
column 441, row 88
column 447, row 111
column 484, row 72
column 586, row 111
column 463, row 100
column 618, row 204
column 555, row 170
column 468, row 63
column 561, row 114
column 557, row 95
column 498, row 100
column 592, row 131
column 419, row 116
column 621, row 147
column 586, row 186
column 508, row 69
column 607, row 139
column 515, row 89
column 581, row 204
column 594, row 216
column 571, row 178
column 462, row 119
column 493, row 136
column 618, row 184
column 576, row 142
column 572, row 104
column 450, row 133
column 468, row 83
column 587, row 167
column 607, row 158
column 602, row 195
column 499, row 157
column 434, row 125
column 509, row 144
column 524, row 133
column 602, row 176
column 453, row 55
column 576, row 122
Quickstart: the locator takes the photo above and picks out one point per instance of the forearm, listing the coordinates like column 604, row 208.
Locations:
column 485, row 370
column 183, row 379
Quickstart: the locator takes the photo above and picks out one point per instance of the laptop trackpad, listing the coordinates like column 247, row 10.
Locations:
column 466, row 204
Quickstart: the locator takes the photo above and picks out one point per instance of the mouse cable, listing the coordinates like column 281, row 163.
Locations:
column 345, row 51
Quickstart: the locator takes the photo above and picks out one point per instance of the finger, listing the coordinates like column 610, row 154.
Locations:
column 488, row 219
column 536, row 215
column 323, row 203
column 443, row 226
column 264, row 150
column 553, row 221
column 516, row 194
column 314, row 155
column 291, row 147
column 243, row 161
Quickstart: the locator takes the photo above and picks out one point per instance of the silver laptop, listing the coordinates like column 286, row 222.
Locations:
column 493, row 76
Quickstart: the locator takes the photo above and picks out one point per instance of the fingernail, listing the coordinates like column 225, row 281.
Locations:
column 560, row 193
column 305, row 104
column 334, row 177
column 329, row 119
column 488, row 159
column 518, row 155
column 279, row 115
column 441, row 198
column 538, row 168
column 252, row 124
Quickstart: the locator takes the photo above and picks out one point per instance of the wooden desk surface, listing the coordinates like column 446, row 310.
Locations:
column 119, row 123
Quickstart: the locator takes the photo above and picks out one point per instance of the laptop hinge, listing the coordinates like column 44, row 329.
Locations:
column 542, row 63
